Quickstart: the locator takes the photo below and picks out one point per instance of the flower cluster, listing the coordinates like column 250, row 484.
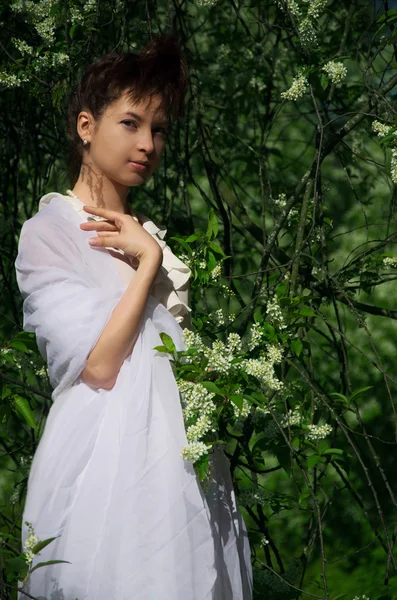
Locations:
column 393, row 165
column 274, row 313
column 216, row 272
column 264, row 541
column 336, row 71
column 22, row 46
column 192, row 339
column 10, row 80
column 380, row 129
column 291, row 5
column 255, row 336
column 315, row 8
column 293, row 417
column 263, row 367
column 390, row 261
column 307, row 33
column 219, row 317
column 219, row 356
column 38, row 13
column 196, row 399
column 197, row 402
column 194, row 450
column 30, row 543
column 200, row 428
column 318, row 432
column 298, row 88
column 281, row 200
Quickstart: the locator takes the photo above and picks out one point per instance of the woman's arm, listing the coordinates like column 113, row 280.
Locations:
column 119, row 336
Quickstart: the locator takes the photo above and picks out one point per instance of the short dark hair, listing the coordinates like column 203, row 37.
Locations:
column 158, row 69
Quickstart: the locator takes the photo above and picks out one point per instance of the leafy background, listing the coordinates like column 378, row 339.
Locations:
column 304, row 195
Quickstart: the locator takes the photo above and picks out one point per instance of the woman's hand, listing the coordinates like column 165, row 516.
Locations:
column 123, row 232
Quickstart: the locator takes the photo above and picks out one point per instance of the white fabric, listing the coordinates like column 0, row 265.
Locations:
column 171, row 284
column 107, row 476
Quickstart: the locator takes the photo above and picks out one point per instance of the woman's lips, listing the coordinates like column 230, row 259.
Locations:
column 137, row 166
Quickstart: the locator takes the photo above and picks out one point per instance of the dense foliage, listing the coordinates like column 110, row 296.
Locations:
column 289, row 144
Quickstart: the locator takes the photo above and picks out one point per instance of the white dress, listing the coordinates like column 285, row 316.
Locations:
column 107, row 477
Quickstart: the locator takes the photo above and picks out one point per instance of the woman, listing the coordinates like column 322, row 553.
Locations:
column 99, row 286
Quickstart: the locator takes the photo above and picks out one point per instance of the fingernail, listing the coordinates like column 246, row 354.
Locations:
column 91, row 241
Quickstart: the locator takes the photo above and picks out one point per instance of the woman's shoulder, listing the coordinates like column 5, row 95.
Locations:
column 53, row 212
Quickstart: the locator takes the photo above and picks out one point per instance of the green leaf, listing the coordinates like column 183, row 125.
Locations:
column 283, row 456
column 331, row 451
column 18, row 564
column 217, row 249
column 212, row 230
column 258, row 315
column 237, row 399
column 211, row 387
column 359, row 392
column 19, row 346
column 42, row 544
column 21, row 407
column 297, row 346
column 168, row 342
column 160, row 349
column 324, row 80
column 339, row 396
column 201, row 466
column 193, row 237
column 49, row 562
column 313, row 460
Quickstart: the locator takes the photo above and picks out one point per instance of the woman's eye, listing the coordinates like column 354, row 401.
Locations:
column 162, row 130
column 127, row 122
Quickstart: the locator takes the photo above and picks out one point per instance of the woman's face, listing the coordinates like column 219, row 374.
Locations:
column 126, row 133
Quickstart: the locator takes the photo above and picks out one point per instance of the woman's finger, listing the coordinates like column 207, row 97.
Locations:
column 111, row 215
column 109, row 233
column 99, row 226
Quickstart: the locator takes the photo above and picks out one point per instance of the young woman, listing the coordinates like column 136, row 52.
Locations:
column 99, row 286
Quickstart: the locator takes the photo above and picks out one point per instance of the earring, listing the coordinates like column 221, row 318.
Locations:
column 85, row 142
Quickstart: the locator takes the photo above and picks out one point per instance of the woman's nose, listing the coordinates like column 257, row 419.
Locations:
column 145, row 142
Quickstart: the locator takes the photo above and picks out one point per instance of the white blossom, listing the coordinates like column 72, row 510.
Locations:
column 318, row 432
column 196, row 399
column 316, row 7
column 255, row 336
column 22, row 46
column 10, row 80
column 281, row 200
column 307, row 33
column 200, row 428
column 274, row 313
column 297, row 89
column 216, row 272
column 194, row 450
column 291, row 5
column 192, row 339
column 293, row 417
column 263, row 367
column 336, row 71
column 393, row 165
column 380, row 129
column 264, row 541
column 390, row 261
column 30, row 542
column 219, row 357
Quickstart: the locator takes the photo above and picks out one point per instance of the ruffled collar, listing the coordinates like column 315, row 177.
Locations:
column 172, row 276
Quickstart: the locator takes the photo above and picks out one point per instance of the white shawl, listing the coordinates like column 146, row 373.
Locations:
column 107, row 477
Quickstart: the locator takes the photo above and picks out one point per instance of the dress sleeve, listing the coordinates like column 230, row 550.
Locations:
column 62, row 305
